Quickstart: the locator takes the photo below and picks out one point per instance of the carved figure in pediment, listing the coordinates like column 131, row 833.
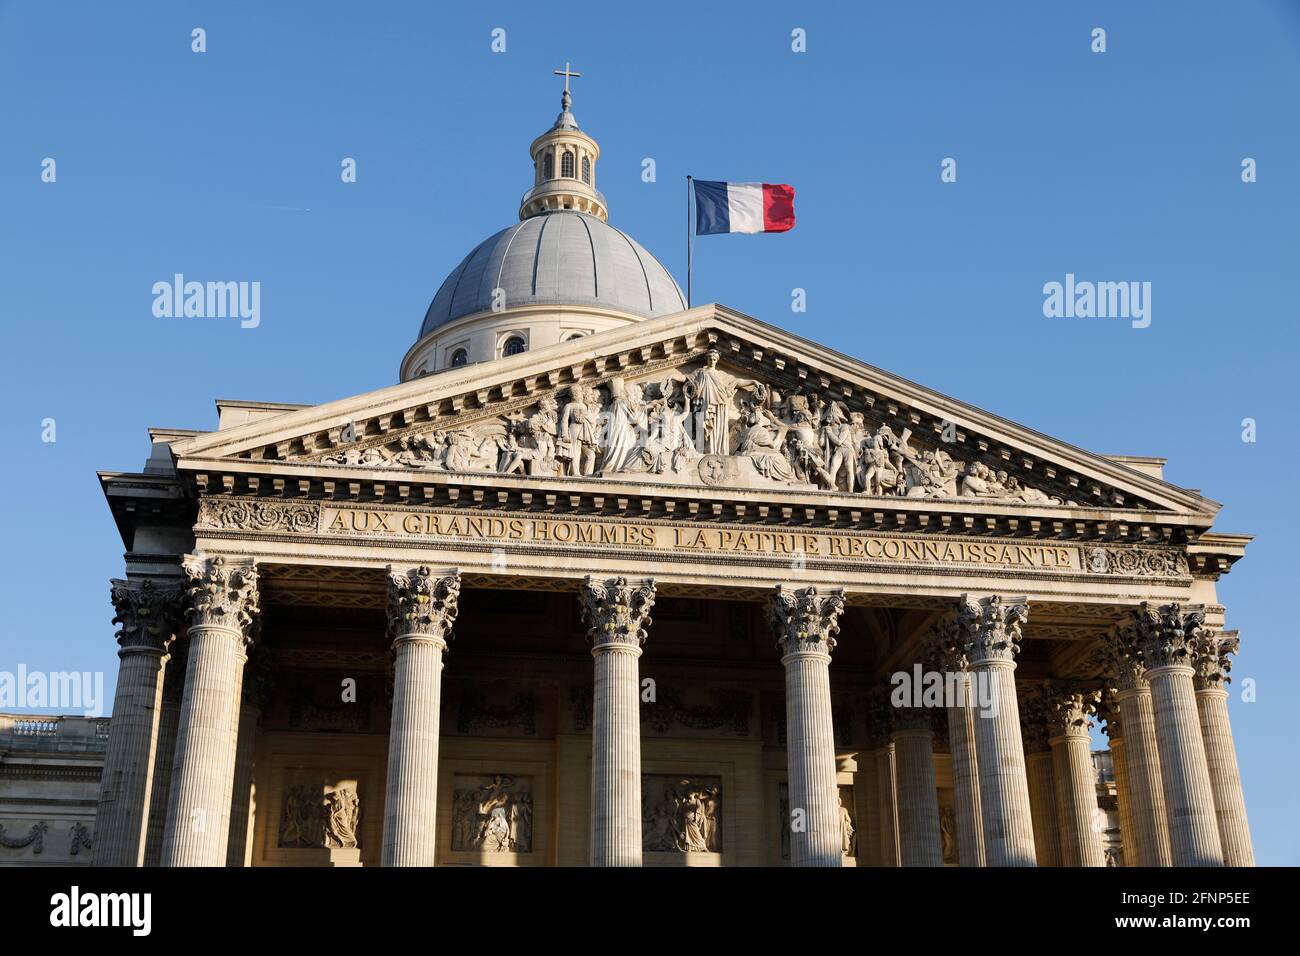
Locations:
column 840, row 446
column 932, row 474
column 711, row 392
column 625, row 427
column 669, row 446
column 578, row 443
column 463, row 450
column 529, row 443
column 978, row 481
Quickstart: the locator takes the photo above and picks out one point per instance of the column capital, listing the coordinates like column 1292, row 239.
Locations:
column 991, row 627
column 422, row 604
column 804, row 619
column 1167, row 633
column 1070, row 707
column 880, row 716
column 945, row 647
column 1210, row 658
column 1120, row 656
column 617, row 612
column 1036, row 718
column 1108, row 711
column 222, row 592
column 151, row 614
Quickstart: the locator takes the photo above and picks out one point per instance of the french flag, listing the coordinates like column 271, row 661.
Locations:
column 742, row 207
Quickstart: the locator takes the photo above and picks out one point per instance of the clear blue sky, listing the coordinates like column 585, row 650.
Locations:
column 225, row 165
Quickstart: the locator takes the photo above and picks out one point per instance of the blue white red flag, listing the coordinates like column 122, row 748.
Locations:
column 742, row 207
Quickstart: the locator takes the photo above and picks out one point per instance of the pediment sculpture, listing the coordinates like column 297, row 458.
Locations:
column 698, row 425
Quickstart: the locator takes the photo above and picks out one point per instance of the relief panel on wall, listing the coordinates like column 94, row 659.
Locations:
column 492, row 814
column 681, row 814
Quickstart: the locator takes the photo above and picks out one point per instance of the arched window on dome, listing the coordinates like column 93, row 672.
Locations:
column 586, row 170
column 514, row 346
column 459, row 357
column 548, row 166
column 566, row 165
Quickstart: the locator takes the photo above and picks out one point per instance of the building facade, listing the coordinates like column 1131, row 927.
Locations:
column 685, row 555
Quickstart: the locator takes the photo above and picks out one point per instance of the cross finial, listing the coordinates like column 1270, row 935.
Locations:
column 565, row 100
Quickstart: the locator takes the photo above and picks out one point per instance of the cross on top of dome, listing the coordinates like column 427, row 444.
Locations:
column 565, row 99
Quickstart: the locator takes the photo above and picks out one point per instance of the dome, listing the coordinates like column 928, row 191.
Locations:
column 557, row 258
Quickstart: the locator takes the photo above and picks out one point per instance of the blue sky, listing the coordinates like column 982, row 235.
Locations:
column 1124, row 165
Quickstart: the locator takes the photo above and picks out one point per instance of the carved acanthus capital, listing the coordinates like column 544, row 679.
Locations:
column 804, row 619
column 617, row 612
column 1120, row 656
column 1070, row 707
column 880, row 716
column 421, row 603
column 1036, row 717
column 1211, row 661
column 1108, row 711
column 151, row 614
column 222, row 592
column 1167, row 633
column 991, row 627
column 945, row 648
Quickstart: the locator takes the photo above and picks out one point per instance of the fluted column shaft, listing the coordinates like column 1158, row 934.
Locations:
column 810, row 750
column 1004, row 785
column 198, row 815
column 169, row 721
column 1225, row 777
column 1150, row 836
column 411, row 798
column 887, row 801
column 869, row 809
column 965, row 774
column 1123, row 800
column 1076, row 799
column 1189, row 800
column 616, row 757
column 1042, row 804
column 241, row 804
column 617, row 615
column 918, row 800
column 422, row 609
column 993, row 631
column 126, row 785
column 805, row 623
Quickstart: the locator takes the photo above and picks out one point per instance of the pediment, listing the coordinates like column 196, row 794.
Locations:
column 707, row 398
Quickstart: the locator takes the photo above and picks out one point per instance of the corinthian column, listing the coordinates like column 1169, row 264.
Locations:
column 947, row 653
column 918, row 800
column 1167, row 636
column 617, row 615
column 222, row 603
column 150, row 617
column 1076, row 788
column 1035, row 723
column 421, row 611
column 1122, row 659
column 1212, row 666
column 805, row 623
column 991, row 632
column 880, row 715
column 1108, row 711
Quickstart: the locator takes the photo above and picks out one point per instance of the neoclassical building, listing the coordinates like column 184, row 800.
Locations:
column 702, row 575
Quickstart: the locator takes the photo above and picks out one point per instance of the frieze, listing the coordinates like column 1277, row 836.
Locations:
column 1136, row 562
column 244, row 514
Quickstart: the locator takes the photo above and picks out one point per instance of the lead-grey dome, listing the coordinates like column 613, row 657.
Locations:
column 560, row 258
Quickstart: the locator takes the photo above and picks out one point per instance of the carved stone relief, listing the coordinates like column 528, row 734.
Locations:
column 317, row 815
column 476, row 713
column 699, row 424
column 726, row 711
column 681, row 814
column 492, row 814
column 1137, row 562
column 848, row 821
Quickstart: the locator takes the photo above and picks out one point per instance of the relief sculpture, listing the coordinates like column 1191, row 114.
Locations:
column 493, row 815
column 681, row 814
column 705, row 425
column 316, row 816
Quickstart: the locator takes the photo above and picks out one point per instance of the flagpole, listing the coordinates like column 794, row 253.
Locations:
column 690, row 242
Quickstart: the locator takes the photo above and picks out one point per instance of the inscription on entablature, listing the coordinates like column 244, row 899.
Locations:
column 689, row 540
